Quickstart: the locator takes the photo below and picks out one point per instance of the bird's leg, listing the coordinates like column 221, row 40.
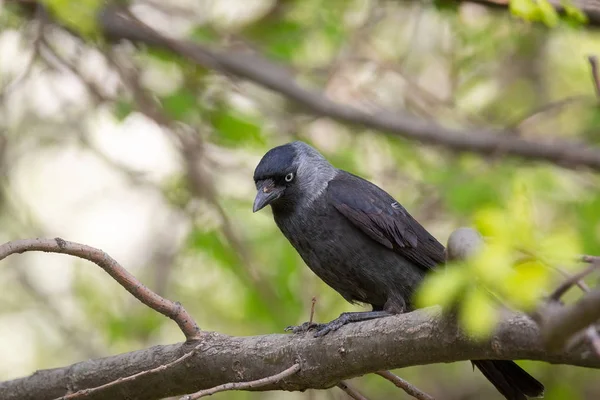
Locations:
column 346, row 318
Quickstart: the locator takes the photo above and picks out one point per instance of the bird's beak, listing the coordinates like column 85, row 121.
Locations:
column 267, row 193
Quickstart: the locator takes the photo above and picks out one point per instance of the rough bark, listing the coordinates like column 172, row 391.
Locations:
column 420, row 337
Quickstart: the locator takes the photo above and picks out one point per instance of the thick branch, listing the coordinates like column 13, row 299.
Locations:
column 175, row 311
column 420, row 337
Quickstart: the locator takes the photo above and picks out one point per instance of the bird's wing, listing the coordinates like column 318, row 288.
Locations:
column 383, row 219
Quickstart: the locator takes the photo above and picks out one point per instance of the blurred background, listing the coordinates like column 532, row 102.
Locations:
column 150, row 158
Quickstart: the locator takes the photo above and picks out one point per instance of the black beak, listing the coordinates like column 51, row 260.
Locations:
column 267, row 193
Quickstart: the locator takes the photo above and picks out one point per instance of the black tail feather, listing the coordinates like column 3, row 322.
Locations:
column 510, row 379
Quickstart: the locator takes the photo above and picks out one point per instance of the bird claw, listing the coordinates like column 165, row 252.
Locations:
column 305, row 327
column 334, row 325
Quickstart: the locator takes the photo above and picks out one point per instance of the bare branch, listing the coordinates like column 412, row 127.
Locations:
column 244, row 385
column 560, row 323
column 570, row 281
column 405, row 385
column 590, row 334
column 175, row 311
column 117, row 25
column 581, row 284
column 552, row 107
column 86, row 392
column 350, row 391
column 415, row 338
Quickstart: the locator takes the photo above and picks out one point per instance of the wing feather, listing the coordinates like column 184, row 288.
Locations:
column 383, row 219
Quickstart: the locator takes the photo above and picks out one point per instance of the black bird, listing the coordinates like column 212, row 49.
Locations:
column 361, row 242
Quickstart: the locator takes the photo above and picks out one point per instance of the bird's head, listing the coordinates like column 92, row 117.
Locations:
column 291, row 175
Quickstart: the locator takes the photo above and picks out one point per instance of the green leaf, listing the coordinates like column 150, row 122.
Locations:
column 493, row 263
column 179, row 103
column 122, row 108
column 212, row 243
column 78, row 15
column 234, row 128
column 525, row 9
column 548, row 12
column 204, row 33
column 527, row 284
column 477, row 314
column 281, row 38
column 574, row 14
column 176, row 191
column 442, row 287
column 560, row 248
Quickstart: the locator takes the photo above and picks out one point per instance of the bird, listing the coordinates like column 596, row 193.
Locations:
column 361, row 242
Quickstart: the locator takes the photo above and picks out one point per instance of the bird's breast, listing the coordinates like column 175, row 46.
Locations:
column 353, row 264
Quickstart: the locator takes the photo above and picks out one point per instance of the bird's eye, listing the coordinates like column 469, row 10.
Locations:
column 289, row 177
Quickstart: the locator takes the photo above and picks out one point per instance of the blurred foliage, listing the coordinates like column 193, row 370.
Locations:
column 458, row 63
column 77, row 15
column 516, row 265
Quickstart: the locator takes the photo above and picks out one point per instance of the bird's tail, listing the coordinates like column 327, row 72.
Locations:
column 510, row 379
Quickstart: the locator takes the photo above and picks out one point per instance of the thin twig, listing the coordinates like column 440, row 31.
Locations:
column 553, row 107
column 312, row 310
column 581, row 284
column 350, row 391
column 409, row 388
column 591, row 334
column 590, row 259
column 595, row 74
column 86, row 392
column 175, row 311
column 570, row 281
column 244, row 385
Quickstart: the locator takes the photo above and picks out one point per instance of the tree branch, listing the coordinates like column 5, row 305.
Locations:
column 571, row 281
column 350, row 391
column 118, row 25
column 409, row 388
column 175, row 311
column 559, row 323
column 244, row 385
column 86, row 392
column 416, row 338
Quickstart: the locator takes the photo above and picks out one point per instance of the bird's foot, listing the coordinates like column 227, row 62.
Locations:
column 343, row 319
column 319, row 329
column 331, row 326
column 305, row 327
column 346, row 318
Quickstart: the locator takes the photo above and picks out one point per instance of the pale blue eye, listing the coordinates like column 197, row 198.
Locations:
column 289, row 177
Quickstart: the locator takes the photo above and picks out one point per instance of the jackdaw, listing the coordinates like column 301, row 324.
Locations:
column 361, row 242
